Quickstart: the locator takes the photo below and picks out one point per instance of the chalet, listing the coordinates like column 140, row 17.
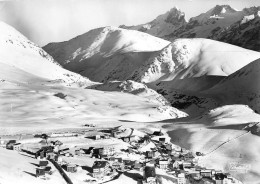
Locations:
column 78, row 152
column 56, row 143
column 129, row 164
column 88, row 151
column 149, row 154
column 118, row 164
column 64, row 151
column 58, row 158
column 100, row 169
column 96, row 152
column 138, row 166
column 152, row 163
column 113, row 134
column 10, row 144
column 43, row 163
column 40, row 154
column 163, row 164
column 97, row 137
column 126, row 139
column 47, row 170
column 187, row 164
column 50, row 155
column 112, row 159
column 157, row 133
column 150, row 175
column 47, row 148
column 195, row 175
column 189, row 157
column 107, row 150
column 70, row 168
column 40, row 172
column 206, row 173
column 44, row 136
column 162, row 140
column 181, row 178
column 17, row 146
column 104, row 136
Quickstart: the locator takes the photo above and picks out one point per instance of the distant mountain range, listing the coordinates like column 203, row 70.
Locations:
column 222, row 23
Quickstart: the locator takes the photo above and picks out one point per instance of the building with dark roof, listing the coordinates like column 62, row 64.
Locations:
column 17, row 146
column 40, row 172
column 10, row 144
column 150, row 175
column 157, row 133
column 43, row 163
column 70, row 168
column 100, row 169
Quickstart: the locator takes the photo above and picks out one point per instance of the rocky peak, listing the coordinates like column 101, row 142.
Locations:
column 255, row 10
column 221, row 9
column 175, row 16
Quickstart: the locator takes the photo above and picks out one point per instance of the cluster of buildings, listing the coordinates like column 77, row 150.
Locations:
column 181, row 164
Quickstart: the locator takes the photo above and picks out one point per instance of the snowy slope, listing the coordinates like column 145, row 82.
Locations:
column 23, row 61
column 223, row 136
column 242, row 87
column 163, row 25
column 105, row 53
column 193, row 64
column 141, row 90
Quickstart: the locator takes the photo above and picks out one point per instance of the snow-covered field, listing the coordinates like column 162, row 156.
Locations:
column 19, row 168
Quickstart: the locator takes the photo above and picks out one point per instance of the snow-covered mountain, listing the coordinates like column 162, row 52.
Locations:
column 222, row 23
column 244, row 33
column 163, row 24
column 242, row 87
column 193, row 64
column 107, row 53
column 23, row 61
column 177, row 70
column 225, row 24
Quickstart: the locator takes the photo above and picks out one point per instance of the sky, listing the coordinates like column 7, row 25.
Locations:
column 45, row 21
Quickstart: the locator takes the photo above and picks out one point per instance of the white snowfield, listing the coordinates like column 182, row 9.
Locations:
column 16, row 168
column 105, row 53
column 23, row 61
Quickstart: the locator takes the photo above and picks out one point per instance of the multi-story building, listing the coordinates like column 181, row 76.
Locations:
column 100, row 169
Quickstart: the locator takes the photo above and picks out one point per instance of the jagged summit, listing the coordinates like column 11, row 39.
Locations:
column 221, row 9
column 163, row 24
column 175, row 16
column 255, row 10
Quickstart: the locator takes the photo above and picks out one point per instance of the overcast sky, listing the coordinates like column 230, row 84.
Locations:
column 44, row 21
